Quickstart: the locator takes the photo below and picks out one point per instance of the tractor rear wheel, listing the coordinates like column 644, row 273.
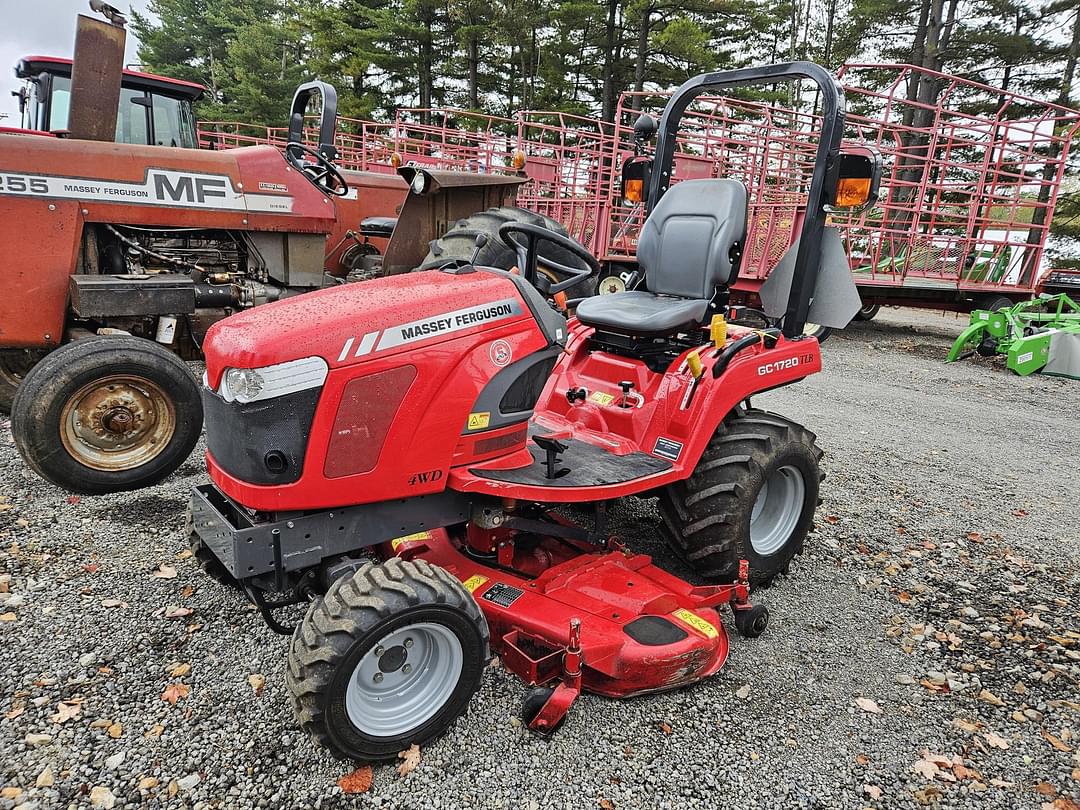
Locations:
column 459, row 244
column 389, row 657
column 751, row 497
column 107, row 414
column 14, row 365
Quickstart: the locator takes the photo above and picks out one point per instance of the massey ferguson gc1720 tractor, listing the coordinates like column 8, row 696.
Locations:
column 400, row 452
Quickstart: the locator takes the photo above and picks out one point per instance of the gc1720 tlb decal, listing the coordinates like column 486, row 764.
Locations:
column 159, row 187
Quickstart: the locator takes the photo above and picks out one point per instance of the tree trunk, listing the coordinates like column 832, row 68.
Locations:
column 607, row 112
column 474, row 71
column 1036, row 235
column 642, row 58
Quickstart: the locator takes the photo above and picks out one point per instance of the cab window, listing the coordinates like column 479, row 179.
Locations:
column 174, row 124
column 131, row 122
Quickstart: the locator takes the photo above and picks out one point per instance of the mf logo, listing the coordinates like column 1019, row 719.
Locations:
column 429, row 477
column 189, row 189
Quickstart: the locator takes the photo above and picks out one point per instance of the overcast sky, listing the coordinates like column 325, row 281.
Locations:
column 44, row 28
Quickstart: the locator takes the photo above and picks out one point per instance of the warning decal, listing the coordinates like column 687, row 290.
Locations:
column 502, row 594
column 479, row 421
column 474, row 582
column 696, row 622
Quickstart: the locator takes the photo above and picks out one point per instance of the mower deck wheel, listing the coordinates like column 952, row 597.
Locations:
column 107, row 414
column 751, row 622
column 533, row 702
column 751, row 497
column 389, row 657
column 868, row 312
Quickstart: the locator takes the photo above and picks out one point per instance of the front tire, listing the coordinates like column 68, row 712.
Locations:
column 868, row 312
column 752, row 496
column 387, row 658
column 107, row 414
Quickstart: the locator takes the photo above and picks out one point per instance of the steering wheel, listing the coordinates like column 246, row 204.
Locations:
column 322, row 172
column 528, row 255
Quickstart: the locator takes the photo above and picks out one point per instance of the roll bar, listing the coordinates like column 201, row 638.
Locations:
column 327, row 121
column 808, row 257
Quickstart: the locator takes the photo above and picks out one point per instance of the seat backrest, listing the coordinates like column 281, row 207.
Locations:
column 685, row 246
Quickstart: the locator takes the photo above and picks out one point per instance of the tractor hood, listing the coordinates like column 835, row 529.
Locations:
column 373, row 319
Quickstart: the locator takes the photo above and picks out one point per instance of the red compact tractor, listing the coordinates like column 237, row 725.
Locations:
column 401, row 452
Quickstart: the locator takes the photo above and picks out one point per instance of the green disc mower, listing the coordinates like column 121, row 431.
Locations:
column 1042, row 334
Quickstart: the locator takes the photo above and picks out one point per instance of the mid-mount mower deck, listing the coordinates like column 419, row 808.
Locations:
column 404, row 452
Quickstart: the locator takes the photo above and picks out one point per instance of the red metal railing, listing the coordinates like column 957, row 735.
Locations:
column 968, row 189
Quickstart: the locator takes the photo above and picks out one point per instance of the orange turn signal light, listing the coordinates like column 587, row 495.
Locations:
column 852, row 192
column 517, row 162
column 395, row 160
column 633, row 189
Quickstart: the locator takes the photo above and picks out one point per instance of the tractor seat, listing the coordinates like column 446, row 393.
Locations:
column 689, row 248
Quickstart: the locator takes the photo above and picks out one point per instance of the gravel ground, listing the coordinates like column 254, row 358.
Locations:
column 941, row 584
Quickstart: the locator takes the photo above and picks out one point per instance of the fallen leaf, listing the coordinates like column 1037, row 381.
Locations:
column 1020, row 512
column 965, row 725
column 177, row 612
column 991, row 698
column 15, row 712
column 862, row 759
column 411, row 758
column 155, row 731
column 111, row 603
column 664, row 726
column 1046, row 789
column 926, row 769
column 8, row 617
column 867, row 705
column 257, row 682
column 91, row 568
column 165, row 571
column 903, row 597
column 1001, row 783
column 833, row 519
column 873, row 791
column 11, row 793
column 116, row 730
column 65, row 711
column 183, row 555
column 45, row 778
column 974, row 537
column 101, row 796
column 180, row 670
column 359, row 781
column 1055, row 741
column 606, row 804
column 174, row 692
column 996, row 741
column 148, row 783
column 187, row 591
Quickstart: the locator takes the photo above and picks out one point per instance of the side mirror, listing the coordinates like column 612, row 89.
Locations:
column 856, row 178
column 644, row 128
column 635, row 179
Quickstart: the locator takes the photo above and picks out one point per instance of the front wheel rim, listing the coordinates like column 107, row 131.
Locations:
column 404, row 679
column 117, row 423
column 777, row 509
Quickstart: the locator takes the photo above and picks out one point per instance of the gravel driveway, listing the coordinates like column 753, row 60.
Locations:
column 924, row 651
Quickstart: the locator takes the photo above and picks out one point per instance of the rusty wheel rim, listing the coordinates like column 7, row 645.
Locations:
column 117, row 423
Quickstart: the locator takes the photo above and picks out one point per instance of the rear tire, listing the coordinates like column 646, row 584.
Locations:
column 342, row 679
column 15, row 364
column 752, row 496
column 994, row 303
column 458, row 244
column 107, row 414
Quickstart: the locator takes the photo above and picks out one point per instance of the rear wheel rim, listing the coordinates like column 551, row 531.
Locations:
column 777, row 509
column 117, row 423
column 404, row 679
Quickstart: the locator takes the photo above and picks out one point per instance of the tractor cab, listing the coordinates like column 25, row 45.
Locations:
column 154, row 110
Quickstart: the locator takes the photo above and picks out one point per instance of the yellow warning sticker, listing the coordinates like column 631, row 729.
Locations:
column 696, row 622
column 474, row 582
column 479, row 421
column 600, row 398
column 397, row 542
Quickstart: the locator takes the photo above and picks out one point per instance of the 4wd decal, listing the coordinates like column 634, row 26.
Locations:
column 160, row 187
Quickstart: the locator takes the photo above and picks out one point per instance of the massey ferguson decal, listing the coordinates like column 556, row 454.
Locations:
column 436, row 325
column 159, row 187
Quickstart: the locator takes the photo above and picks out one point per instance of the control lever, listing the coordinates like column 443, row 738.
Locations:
column 481, row 240
column 575, row 394
column 551, row 447
column 627, row 386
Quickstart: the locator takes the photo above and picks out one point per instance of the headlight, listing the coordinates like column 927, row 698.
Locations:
column 245, row 384
column 419, row 182
column 253, row 384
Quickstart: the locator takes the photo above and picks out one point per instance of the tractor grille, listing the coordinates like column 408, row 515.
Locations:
column 260, row 442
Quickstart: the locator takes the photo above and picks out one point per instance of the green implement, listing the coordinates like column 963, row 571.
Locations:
column 1042, row 334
